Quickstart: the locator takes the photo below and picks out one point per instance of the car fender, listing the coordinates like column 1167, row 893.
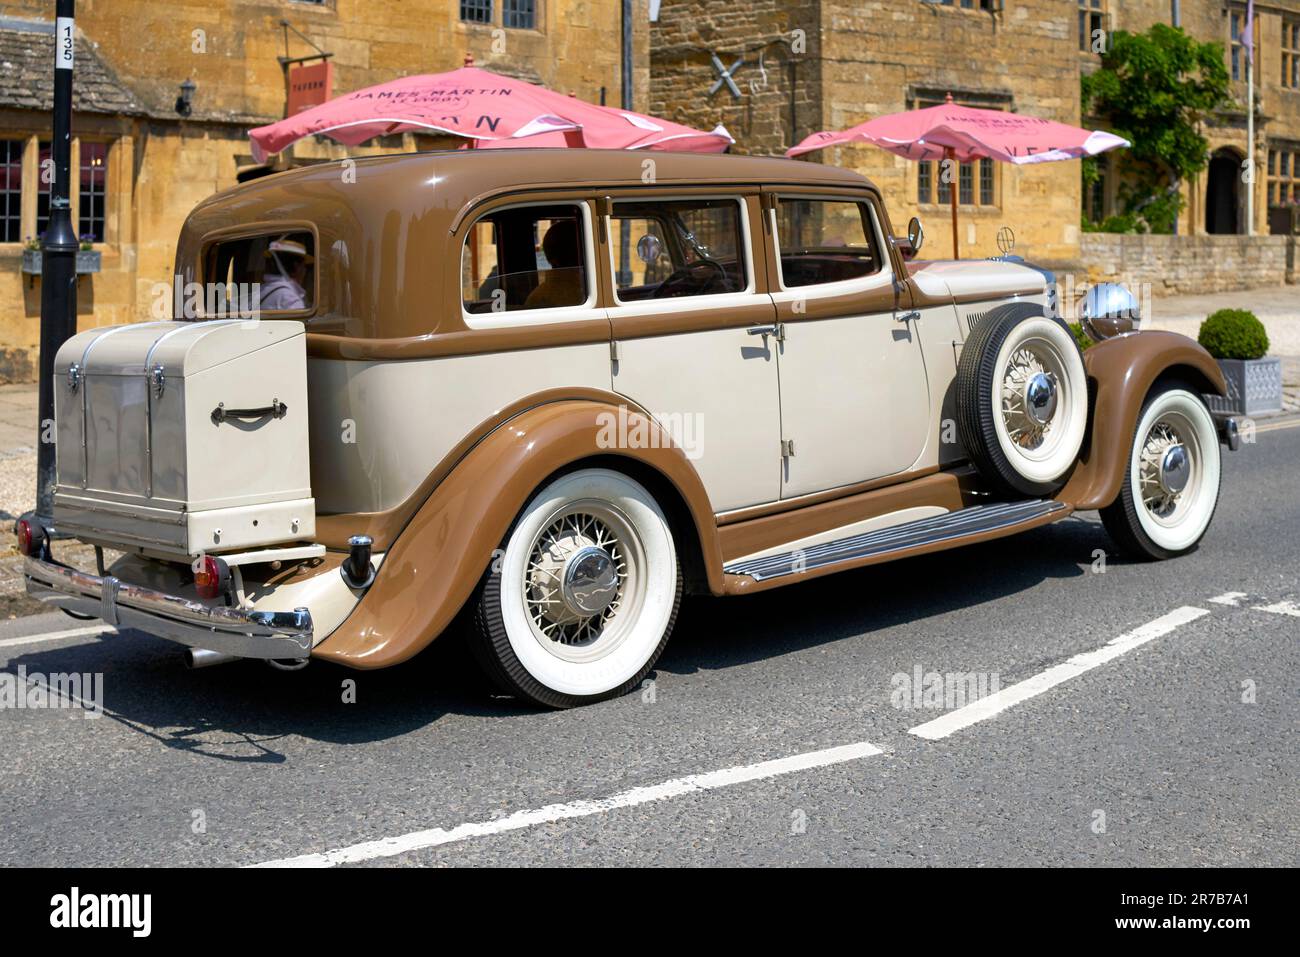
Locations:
column 1121, row 372
column 435, row 564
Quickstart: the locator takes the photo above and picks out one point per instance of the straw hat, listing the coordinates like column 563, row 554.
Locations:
column 289, row 247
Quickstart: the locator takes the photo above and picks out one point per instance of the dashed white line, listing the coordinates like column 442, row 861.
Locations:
column 1022, row 691
column 57, row 635
column 677, row 787
column 1230, row 598
column 1281, row 608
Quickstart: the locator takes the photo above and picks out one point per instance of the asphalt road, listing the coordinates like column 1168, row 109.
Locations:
column 1176, row 745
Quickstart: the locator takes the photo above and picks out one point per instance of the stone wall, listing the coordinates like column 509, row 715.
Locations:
column 1188, row 265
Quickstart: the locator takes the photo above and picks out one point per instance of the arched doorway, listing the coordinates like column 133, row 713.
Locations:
column 1222, row 191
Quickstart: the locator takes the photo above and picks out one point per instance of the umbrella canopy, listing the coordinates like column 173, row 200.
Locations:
column 485, row 107
column 965, row 133
column 969, row 133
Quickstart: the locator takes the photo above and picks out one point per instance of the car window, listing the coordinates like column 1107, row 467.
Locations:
column 667, row 249
column 824, row 240
column 275, row 272
column 525, row 257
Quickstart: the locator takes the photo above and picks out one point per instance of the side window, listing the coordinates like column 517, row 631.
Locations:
column 525, row 257
column 680, row 247
column 274, row 273
column 825, row 240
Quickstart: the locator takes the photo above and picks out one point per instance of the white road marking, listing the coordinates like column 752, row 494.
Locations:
column 1022, row 691
column 677, row 787
column 1230, row 598
column 57, row 635
column 1282, row 608
column 1274, row 426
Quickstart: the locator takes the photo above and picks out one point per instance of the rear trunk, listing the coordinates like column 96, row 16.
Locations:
column 178, row 438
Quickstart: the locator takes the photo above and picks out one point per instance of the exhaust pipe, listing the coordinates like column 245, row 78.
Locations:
column 203, row 658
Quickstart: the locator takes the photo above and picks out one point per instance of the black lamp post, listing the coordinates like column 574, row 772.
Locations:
column 58, row 259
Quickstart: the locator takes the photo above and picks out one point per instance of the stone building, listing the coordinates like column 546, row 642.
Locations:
column 805, row 65
column 140, row 166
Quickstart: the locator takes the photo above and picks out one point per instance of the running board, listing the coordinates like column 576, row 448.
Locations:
column 964, row 523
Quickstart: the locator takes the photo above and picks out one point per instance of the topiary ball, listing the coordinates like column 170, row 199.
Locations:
column 1233, row 334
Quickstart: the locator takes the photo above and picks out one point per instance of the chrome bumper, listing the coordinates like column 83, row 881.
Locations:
column 234, row 631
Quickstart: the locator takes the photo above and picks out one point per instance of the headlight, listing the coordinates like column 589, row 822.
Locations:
column 1108, row 309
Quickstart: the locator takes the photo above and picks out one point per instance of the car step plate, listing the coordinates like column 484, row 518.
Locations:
column 967, row 522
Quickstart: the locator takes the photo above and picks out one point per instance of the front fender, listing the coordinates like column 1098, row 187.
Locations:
column 1121, row 372
column 437, row 561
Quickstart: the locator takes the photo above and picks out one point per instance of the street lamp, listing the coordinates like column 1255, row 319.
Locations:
column 58, row 259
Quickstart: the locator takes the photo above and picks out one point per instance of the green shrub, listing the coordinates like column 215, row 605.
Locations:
column 1233, row 334
column 1082, row 338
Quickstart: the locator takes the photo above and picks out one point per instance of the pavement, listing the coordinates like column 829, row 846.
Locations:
column 1147, row 716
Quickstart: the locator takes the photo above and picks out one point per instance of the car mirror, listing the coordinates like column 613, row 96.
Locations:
column 910, row 244
column 648, row 248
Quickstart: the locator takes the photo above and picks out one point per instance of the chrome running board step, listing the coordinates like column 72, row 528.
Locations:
column 976, row 520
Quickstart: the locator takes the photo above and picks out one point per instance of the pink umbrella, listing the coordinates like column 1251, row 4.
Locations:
column 485, row 107
column 964, row 133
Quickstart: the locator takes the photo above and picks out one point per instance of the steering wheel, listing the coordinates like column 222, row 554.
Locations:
column 692, row 279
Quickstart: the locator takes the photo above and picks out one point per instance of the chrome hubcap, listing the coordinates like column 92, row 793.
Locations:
column 577, row 574
column 1165, row 470
column 1040, row 398
column 1030, row 395
column 1175, row 469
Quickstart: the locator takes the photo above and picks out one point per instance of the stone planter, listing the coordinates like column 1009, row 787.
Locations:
column 88, row 261
column 1254, row 386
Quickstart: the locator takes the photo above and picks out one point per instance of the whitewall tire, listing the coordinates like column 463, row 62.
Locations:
column 582, row 597
column 1171, row 484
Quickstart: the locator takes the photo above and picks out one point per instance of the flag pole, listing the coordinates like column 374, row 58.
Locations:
column 1250, row 139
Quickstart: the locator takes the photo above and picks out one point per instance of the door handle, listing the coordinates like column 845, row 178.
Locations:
column 907, row 316
column 775, row 330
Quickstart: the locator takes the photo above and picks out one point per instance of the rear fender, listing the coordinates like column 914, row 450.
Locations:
column 437, row 561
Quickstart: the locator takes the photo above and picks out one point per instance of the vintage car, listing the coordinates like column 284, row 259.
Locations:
column 541, row 393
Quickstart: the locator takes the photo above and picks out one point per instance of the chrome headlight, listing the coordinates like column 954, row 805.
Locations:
column 1108, row 309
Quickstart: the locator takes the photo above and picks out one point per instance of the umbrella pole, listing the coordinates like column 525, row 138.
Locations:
column 952, row 197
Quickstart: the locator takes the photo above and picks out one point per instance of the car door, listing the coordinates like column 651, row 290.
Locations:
column 855, row 402
column 688, row 321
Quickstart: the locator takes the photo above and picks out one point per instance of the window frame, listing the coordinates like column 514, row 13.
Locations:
column 1276, row 180
column 510, row 319
column 1092, row 15
column 873, row 280
column 491, row 13
column 1290, row 52
column 253, row 231
column 745, row 248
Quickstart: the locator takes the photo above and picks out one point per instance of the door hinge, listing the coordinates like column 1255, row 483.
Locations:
column 787, row 448
column 614, row 355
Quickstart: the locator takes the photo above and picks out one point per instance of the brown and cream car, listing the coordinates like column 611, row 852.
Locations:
column 543, row 392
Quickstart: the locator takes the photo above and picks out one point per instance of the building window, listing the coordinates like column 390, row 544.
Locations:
column 1092, row 26
column 520, row 14
column 1291, row 53
column 1237, row 52
column 476, row 11
column 986, row 182
column 930, row 187
column 924, row 183
column 11, row 191
column 91, row 191
column 1095, row 192
column 1283, row 177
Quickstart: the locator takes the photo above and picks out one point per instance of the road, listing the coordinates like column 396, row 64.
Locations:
column 768, row 736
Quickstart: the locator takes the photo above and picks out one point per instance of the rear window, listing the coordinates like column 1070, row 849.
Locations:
column 526, row 257
column 275, row 272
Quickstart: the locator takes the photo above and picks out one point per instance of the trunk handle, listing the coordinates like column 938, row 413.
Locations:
column 275, row 410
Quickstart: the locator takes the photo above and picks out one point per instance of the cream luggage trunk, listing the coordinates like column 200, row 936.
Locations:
column 179, row 438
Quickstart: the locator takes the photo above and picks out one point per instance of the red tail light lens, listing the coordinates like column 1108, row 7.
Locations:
column 210, row 576
column 24, row 532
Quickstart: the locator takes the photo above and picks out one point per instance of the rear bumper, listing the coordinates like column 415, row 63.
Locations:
column 283, row 635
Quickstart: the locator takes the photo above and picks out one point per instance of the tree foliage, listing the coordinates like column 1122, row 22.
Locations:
column 1154, row 89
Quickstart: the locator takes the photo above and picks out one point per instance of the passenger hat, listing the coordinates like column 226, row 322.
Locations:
column 289, row 247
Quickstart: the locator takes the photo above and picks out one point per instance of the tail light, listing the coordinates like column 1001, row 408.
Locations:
column 23, row 530
column 210, row 576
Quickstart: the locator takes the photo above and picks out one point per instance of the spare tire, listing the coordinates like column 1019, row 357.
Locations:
column 1022, row 399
